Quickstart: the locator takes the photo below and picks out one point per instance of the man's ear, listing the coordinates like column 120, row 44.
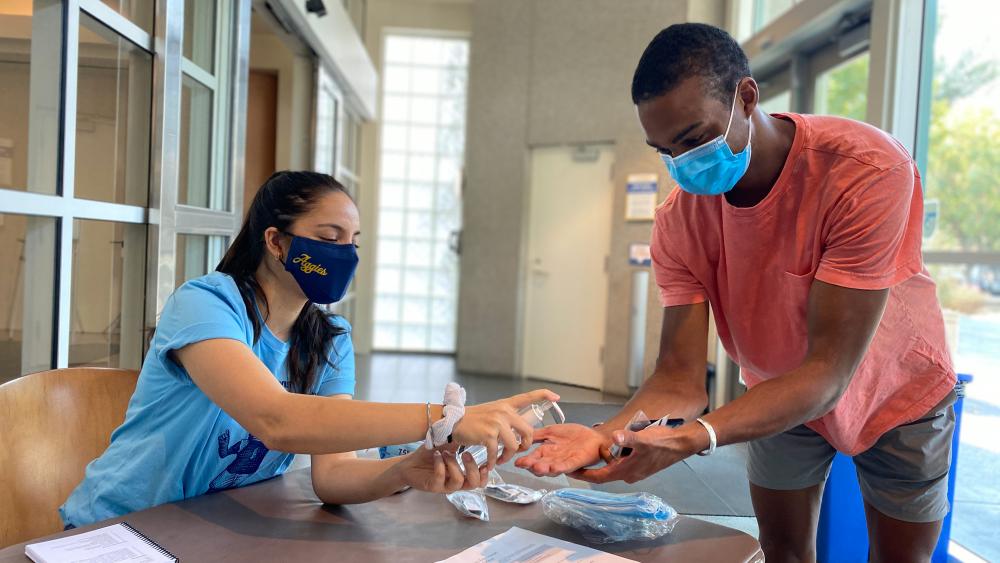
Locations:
column 749, row 93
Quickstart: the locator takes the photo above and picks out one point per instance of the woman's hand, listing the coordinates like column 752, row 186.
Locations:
column 495, row 423
column 439, row 471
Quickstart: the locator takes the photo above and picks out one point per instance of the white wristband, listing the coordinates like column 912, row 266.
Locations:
column 452, row 412
column 712, row 441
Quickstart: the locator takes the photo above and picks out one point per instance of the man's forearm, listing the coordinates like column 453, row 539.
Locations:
column 776, row 405
column 664, row 393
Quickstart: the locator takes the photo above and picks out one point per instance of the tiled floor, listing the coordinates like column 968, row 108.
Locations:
column 402, row 378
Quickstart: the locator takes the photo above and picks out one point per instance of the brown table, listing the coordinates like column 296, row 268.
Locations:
column 281, row 520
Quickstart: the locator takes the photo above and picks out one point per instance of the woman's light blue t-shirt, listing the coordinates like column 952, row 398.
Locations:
column 175, row 442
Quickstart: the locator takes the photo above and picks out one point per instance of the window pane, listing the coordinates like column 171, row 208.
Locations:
column 386, row 336
column 960, row 160
column 390, row 251
column 196, row 147
column 392, row 195
column 387, row 309
column 112, row 117
column 843, row 90
column 970, row 298
column 197, row 255
column 425, row 110
column 779, row 103
column 415, row 310
column 420, row 196
column 395, row 108
column 388, row 280
column 394, row 137
column 426, row 50
column 962, row 170
column 421, row 150
column 30, row 84
column 413, row 337
column 397, row 79
column 106, row 304
column 417, row 282
column 398, row 49
column 452, row 111
column 327, row 111
column 426, row 80
column 442, row 338
column 139, row 11
column 418, row 254
column 766, row 11
column 27, row 248
column 199, row 33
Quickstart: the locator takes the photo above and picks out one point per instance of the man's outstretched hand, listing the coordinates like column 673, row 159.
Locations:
column 565, row 448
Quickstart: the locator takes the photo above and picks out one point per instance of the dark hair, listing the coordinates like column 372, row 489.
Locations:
column 690, row 49
column 283, row 197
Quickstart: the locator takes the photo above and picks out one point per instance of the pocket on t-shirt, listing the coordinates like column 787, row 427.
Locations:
column 808, row 276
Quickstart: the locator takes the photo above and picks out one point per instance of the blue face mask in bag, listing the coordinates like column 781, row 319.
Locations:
column 711, row 168
column 323, row 270
column 603, row 517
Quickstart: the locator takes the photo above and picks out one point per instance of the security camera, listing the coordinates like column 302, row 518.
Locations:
column 316, row 7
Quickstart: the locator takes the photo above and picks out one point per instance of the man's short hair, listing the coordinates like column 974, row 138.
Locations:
column 685, row 50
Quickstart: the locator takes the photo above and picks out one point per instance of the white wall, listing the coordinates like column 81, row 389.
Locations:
column 552, row 72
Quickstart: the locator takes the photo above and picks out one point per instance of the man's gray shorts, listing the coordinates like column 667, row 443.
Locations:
column 904, row 475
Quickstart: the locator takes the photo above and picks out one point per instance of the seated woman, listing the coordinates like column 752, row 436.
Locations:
column 244, row 369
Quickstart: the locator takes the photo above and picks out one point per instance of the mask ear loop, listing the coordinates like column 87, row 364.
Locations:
column 732, row 113
column 732, row 110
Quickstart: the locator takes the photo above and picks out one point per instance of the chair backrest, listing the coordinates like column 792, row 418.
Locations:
column 52, row 424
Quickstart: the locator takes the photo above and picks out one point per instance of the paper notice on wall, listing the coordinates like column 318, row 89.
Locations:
column 638, row 254
column 6, row 163
column 640, row 197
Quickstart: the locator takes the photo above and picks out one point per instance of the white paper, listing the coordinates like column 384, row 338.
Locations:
column 522, row 546
column 640, row 198
column 639, row 255
column 104, row 545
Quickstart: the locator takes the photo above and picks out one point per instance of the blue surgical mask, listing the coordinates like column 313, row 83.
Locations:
column 711, row 168
column 322, row 269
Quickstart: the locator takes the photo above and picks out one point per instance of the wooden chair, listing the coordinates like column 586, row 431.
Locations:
column 52, row 424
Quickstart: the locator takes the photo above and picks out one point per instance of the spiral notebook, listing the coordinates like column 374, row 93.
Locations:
column 119, row 542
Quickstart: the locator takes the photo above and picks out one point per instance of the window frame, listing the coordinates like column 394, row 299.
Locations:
column 163, row 217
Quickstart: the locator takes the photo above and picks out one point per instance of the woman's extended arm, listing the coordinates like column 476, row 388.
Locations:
column 236, row 380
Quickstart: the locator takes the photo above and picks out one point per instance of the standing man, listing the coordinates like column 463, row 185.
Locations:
column 803, row 233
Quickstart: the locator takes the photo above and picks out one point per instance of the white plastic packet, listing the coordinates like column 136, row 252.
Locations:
column 497, row 488
column 471, row 503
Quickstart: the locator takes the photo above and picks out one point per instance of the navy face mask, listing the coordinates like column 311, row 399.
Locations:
column 323, row 270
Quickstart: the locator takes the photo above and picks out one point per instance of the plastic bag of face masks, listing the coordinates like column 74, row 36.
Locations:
column 607, row 517
column 497, row 488
column 471, row 503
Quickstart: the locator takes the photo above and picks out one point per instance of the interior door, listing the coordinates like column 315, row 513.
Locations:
column 568, row 245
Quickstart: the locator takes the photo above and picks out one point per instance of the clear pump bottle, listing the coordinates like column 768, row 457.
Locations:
column 533, row 414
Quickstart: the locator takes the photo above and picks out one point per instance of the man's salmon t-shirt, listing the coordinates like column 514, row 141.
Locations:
column 847, row 209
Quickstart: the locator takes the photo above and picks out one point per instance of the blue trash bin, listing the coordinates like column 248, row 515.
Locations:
column 843, row 533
